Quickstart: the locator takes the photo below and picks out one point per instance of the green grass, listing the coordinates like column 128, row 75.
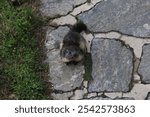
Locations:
column 20, row 66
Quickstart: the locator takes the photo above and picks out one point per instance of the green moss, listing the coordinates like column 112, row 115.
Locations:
column 88, row 67
column 20, row 53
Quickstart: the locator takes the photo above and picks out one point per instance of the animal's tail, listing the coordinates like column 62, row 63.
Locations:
column 79, row 27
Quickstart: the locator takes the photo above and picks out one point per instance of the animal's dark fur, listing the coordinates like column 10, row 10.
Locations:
column 73, row 47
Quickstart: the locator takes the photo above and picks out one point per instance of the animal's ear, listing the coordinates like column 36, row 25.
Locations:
column 79, row 27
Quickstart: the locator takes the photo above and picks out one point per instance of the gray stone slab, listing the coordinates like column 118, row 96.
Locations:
column 144, row 68
column 112, row 66
column 55, row 8
column 62, row 77
column 130, row 17
column 63, row 96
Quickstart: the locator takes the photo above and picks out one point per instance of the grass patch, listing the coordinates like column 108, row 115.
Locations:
column 20, row 66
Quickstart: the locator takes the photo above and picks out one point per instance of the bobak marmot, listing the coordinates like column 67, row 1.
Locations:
column 73, row 47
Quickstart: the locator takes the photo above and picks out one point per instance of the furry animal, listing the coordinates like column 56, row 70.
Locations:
column 73, row 47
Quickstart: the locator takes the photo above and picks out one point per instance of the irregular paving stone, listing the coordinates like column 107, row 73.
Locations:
column 112, row 66
column 63, row 77
column 55, row 8
column 79, row 94
column 138, row 92
column 131, row 17
column 89, row 95
column 114, row 95
column 64, row 20
column 144, row 68
column 63, row 96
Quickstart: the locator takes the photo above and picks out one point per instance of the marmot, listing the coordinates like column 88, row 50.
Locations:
column 73, row 47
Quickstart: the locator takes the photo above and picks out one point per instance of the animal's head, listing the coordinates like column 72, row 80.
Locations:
column 71, row 53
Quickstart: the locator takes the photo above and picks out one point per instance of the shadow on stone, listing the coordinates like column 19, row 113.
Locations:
column 88, row 67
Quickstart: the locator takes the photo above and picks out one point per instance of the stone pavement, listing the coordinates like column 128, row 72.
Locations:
column 118, row 42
